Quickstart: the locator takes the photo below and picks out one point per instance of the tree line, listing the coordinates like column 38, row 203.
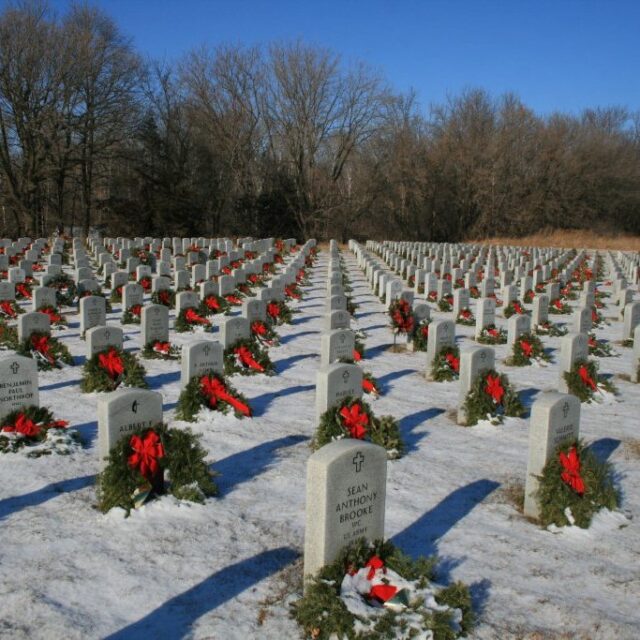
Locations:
column 285, row 140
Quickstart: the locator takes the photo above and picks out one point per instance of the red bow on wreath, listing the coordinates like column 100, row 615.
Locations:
column 355, row 420
column 587, row 380
column 146, row 453
column 215, row 390
column 453, row 362
column 290, row 292
column 357, row 356
column 246, row 358
column 7, row 308
column 273, row 309
column 42, row 346
column 557, row 304
column 259, row 328
column 527, row 348
column 135, row 310
column 381, row 592
column 24, row 426
column 194, row 318
column 571, row 474
column 164, row 297
column 494, row 388
column 145, row 283
column 493, row 333
column 232, row 299
column 212, row 303
column 517, row 308
column 162, row 347
column 23, row 291
column 111, row 362
column 54, row 316
column 369, row 387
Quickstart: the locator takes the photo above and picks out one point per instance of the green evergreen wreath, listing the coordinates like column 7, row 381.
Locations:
column 551, row 329
column 213, row 304
column 526, row 348
column 28, row 426
column 555, row 496
column 323, row 615
column 492, row 335
column 183, row 460
column 55, row 357
column 583, row 380
column 160, row 350
column 480, row 405
column 513, row 308
column 183, row 325
column 165, row 297
column 96, row 378
column 446, row 303
column 446, row 365
column 599, row 348
column 278, row 312
column 8, row 336
column 558, row 307
column 421, row 336
column 57, row 319
column 193, row 398
column 116, row 294
column 466, row 318
column 257, row 353
column 132, row 315
column 65, row 289
column 10, row 310
column 383, row 431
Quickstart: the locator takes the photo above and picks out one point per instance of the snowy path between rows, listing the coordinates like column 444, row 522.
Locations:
column 225, row 569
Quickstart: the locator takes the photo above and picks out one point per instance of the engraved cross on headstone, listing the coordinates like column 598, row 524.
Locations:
column 565, row 409
column 358, row 461
column 345, row 376
column 14, row 367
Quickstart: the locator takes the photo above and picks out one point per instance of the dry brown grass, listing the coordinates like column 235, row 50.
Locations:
column 570, row 239
column 632, row 449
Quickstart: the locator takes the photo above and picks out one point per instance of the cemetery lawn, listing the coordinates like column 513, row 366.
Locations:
column 230, row 568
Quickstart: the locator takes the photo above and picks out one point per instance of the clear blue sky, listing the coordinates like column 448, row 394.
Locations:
column 556, row 55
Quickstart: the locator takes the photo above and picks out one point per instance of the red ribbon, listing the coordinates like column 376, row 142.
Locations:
column 24, row 426
column 111, row 362
column 215, row 390
column 54, row 316
column 369, row 387
column 7, row 308
column 355, row 420
column 494, row 333
column 212, row 303
column 41, row 345
column 259, row 328
column 164, row 297
column 135, row 310
column 557, row 303
column 290, row 292
column 162, row 347
column 145, row 283
column 246, row 358
column 527, row 348
column 146, row 453
column 494, row 388
column 273, row 309
column 194, row 318
column 23, row 291
column 233, row 299
column 381, row 592
column 517, row 308
column 453, row 362
column 465, row 314
column 571, row 474
column 357, row 356
column 587, row 380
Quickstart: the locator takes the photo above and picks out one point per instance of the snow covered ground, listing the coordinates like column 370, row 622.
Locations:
column 228, row 569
